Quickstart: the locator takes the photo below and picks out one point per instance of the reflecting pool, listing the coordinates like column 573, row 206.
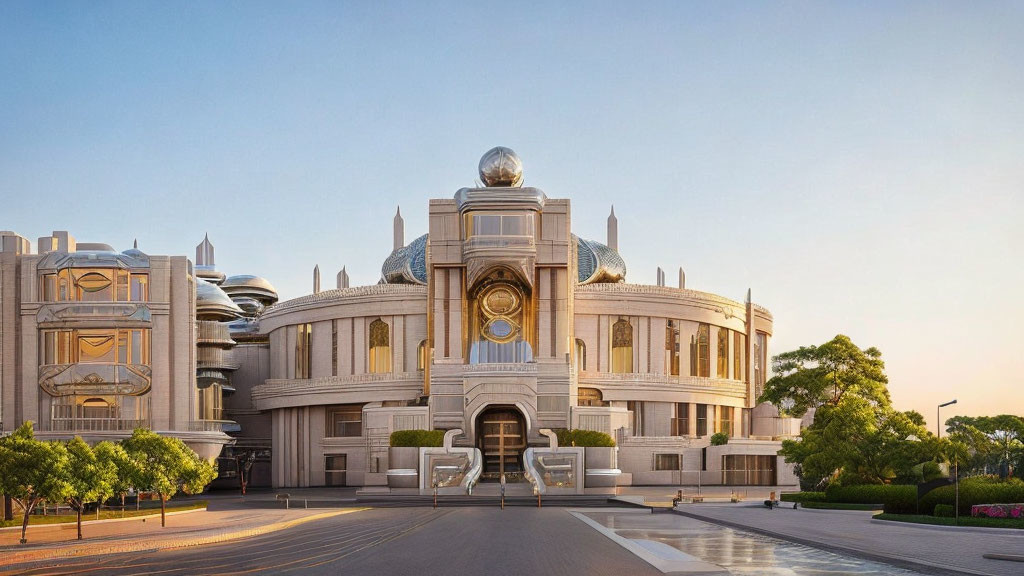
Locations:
column 737, row 551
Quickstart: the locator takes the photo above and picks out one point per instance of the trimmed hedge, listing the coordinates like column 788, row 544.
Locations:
column 584, row 438
column 417, row 438
column 944, row 511
column 973, row 491
column 802, row 497
column 894, row 498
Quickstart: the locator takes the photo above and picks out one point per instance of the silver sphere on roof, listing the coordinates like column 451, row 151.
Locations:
column 213, row 304
column 501, row 167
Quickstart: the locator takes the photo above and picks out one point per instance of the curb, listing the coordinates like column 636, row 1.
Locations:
column 104, row 521
column 940, row 527
column 96, row 549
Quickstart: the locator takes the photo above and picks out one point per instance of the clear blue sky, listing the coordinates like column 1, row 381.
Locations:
column 860, row 166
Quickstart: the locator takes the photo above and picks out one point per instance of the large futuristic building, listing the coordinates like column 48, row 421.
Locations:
column 498, row 321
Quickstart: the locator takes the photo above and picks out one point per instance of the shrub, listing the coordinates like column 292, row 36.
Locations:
column 417, row 438
column 584, row 438
column 973, row 491
column 802, row 497
column 719, row 439
column 944, row 510
column 895, row 498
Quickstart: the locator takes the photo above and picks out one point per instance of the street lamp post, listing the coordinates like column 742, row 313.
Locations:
column 938, row 418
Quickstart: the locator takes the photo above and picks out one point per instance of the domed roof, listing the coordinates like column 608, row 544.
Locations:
column 501, row 167
column 596, row 263
column 213, row 304
column 408, row 264
column 251, row 286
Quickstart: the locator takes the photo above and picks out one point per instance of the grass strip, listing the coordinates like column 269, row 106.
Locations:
column 964, row 521
column 37, row 519
column 839, row 506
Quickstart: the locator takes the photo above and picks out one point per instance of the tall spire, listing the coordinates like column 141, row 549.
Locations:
column 613, row 231
column 399, row 229
column 204, row 252
column 682, row 278
column 316, row 279
column 661, row 277
column 135, row 244
column 342, row 279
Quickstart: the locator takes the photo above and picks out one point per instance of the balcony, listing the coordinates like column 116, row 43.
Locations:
column 96, row 425
column 337, row 390
column 95, row 379
column 214, row 426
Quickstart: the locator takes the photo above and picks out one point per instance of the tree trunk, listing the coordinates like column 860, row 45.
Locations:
column 28, row 505
column 78, row 509
column 8, row 507
column 163, row 517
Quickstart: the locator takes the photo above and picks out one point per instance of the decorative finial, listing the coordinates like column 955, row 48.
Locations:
column 613, row 231
column 316, row 279
column 682, row 279
column 399, row 239
column 135, row 244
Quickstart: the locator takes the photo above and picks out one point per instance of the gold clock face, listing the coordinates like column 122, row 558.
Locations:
column 500, row 301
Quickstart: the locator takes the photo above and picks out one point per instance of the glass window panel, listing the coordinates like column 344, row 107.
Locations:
column 138, row 344
column 722, row 368
column 122, row 347
column 700, row 361
column 380, row 347
column 49, row 347
column 122, row 286
column 94, row 286
column 345, row 421
column 702, row 419
column 96, row 347
column 140, row 288
column 622, row 347
column 666, row 461
column 48, row 288
column 487, row 225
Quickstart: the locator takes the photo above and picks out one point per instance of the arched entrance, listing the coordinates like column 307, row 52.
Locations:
column 501, row 437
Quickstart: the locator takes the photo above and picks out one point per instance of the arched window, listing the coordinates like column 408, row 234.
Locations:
column 581, row 356
column 421, row 356
column 700, row 361
column 96, row 408
column 622, row 347
column 380, row 347
column 722, row 368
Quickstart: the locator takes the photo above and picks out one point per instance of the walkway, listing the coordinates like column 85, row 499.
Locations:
column 910, row 545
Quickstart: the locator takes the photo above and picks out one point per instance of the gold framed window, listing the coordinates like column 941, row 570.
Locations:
column 622, row 347
column 380, row 347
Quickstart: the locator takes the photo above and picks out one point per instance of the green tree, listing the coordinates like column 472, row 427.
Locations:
column 126, row 469
column 32, row 471
column 814, row 376
column 166, row 465
column 994, row 443
column 90, row 478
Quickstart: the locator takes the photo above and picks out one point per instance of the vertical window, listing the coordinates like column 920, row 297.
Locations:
column 122, row 346
column 738, row 349
column 380, row 347
column 421, row 355
column 637, row 408
column 96, row 346
column 140, row 288
column 581, row 356
column 722, row 370
column 702, row 419
column 760, row 361
column 334, row 469
column 64, row 285
column 700, row 360
column 672, row 347
column 727, row 421
column 622, row 347
column 48, row 288
column 122, row 286
column 681, row 422
column 303, row 350
column 334, row 348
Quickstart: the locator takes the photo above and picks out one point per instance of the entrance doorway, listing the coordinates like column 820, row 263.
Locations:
column 501, row 437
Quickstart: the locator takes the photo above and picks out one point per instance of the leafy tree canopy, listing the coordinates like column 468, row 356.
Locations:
column 814, row 376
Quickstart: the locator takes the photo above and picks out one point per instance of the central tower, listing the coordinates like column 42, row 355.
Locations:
column 500, row 281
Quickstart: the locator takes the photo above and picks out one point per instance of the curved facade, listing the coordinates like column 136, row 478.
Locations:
column 500, row 318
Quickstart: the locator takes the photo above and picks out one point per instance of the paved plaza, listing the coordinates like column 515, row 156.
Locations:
column 740, row 539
